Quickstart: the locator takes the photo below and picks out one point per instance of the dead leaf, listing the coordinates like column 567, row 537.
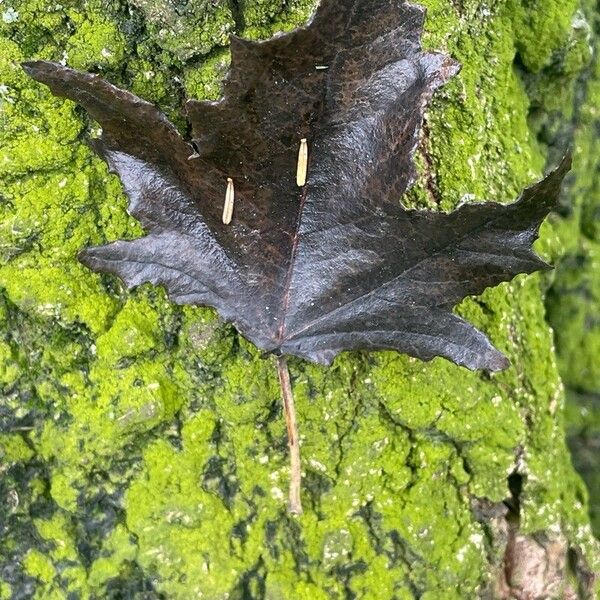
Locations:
column 337, row 264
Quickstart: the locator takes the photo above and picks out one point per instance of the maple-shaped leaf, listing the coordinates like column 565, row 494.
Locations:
column 337, row 264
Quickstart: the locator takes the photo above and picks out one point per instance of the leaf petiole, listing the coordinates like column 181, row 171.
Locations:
column 289, row 409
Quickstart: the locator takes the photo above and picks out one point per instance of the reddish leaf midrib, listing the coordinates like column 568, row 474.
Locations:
column 290, row 270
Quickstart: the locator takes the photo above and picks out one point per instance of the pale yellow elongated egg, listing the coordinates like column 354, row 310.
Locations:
column 302, row 163
column 229, row 199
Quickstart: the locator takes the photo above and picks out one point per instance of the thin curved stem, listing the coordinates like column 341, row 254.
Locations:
column 295, row 505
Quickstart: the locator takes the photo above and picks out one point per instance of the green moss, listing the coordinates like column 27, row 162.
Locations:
column 553, row 89
column 13, row 448
column 36, row 285
column 574, row 302
column 187, row 30
column 60, row 532
column 204, row 81
column 5, row 591
column 133, row 332
column 493, row 161
column 148, row 82
column 123, row 403
column 540, row 28
column 97, row 42
column 119, row 549
column 573, row 312
column 31, row 141
column 40, row 566
column 9, row 366
column 155, row 441
column 264, row 18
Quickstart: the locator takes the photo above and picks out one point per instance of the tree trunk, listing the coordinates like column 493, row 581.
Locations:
column 143, row 446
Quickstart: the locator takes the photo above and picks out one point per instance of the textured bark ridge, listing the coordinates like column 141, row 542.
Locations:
column 334, row 265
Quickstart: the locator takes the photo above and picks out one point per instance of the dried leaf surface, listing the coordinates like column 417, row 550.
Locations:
column 338, row 264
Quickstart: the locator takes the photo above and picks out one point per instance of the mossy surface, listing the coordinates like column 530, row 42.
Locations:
column 574, row 299
column 142, row 445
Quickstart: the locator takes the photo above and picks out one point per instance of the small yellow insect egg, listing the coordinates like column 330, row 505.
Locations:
column 302, row 163
column 229, row 198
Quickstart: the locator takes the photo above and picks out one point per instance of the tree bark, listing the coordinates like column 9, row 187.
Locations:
column 143, row 445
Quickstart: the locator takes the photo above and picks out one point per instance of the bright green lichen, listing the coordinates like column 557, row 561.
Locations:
column 39, row 566
column 577, row 322
column 145, row 442
column 263, row 18
column 14, row 449
column 204, row 81
column 541, row 28
column 574, row 300
column 189, row 29
column 5, row 591
column 97, row 42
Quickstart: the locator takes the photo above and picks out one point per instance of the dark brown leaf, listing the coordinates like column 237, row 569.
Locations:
column 338, row 264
